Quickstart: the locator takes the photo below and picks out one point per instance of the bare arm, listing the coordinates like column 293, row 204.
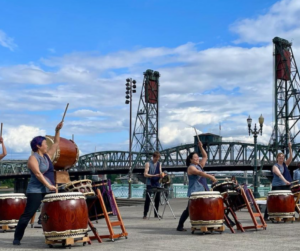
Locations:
column 278, row 173
column 194, row 171
column 289, row 160
column 4, row 152
column 33, row 165
column 54, row 147
column 202, row 162
column 146, row 172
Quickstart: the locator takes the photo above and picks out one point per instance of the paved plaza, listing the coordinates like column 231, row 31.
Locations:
column 161, row 235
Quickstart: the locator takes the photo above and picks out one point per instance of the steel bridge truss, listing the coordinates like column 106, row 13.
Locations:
column 219, row 154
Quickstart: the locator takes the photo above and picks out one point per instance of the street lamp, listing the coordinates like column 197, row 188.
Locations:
column 130, row 88
column 255, row 132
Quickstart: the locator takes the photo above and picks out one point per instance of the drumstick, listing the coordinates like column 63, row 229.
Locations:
column 1, row 129
column 65, row 113
column 197, row 134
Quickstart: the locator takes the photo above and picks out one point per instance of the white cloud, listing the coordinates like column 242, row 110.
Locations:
column 7, row 41
column 17, row 139
column 86, row 113
column 197, row 87
column 25, row 74
column 282, row 20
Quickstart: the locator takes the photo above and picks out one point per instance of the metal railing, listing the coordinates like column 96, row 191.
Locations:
column 176, row 191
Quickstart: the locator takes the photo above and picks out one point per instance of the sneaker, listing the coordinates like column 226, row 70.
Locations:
column 16, row 242
column 181, row 229
column 156, row 216
column 145, row 217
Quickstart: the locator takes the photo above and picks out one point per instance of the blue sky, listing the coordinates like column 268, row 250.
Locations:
column 215, row 60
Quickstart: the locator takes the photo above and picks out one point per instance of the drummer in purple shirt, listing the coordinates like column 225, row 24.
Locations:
column 41, row 179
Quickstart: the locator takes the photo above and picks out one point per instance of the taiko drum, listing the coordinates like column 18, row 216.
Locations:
column 206, row 209
column 66, row 155
column 64, row 215
column 281, row 203
column 12, row 207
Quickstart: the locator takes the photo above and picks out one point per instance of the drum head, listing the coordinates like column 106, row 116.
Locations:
column 205, row 193
column 224, row 183
column 63, row 196
column 294, row 186
column 280, row 192
column 50, row 142
column 13, row 196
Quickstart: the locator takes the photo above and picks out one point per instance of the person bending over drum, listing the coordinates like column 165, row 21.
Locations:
column 281, row 175
column 4, row 153
column 41, row 179
column 194, row 170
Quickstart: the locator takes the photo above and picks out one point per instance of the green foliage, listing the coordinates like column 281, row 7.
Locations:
column 9, row 183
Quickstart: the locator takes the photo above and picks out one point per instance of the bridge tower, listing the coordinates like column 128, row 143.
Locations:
column 287, row 96
column 145, row 135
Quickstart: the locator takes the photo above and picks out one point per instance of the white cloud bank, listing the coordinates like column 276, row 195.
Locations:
column 197, row 87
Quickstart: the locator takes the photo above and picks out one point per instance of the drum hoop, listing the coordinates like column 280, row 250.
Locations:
column 206, row 222
column 205, row 197
column 77, row 152
column 8, row 221
column 206, row 192
column 63, row 196
column 280, row 192
column 223, row 183
column 297, row 185
column 12, row 196
column 282, row 214
column 67, row 232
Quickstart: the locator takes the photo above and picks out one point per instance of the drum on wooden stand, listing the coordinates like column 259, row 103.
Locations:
column 64, row 215
column 295, row 188
column 66, row 155
column 12, row 206
column 95, row 210
column 83, row 186
column 227, row 186
column 206, row 209
column 281, row 203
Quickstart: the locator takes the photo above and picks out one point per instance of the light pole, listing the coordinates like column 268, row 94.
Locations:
column 130, row 88
column 255, row 132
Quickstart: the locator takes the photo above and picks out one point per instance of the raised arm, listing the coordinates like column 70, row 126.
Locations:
column 4, row 152
column 202, row 162
column 279, row 174
column 33, row 165
column 289, row 160
column 54, row 147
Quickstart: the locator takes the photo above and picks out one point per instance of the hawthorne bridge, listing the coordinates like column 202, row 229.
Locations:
column 222, row 155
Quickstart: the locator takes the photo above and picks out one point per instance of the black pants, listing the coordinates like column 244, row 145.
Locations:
column 185, row 214
column 275, row 188
column 34, row 200
column 147, row 201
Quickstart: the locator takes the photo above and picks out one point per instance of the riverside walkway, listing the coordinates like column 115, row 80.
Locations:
column 161, row 235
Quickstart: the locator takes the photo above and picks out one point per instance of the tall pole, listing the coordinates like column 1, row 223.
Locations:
column 255, row 132
column 130, row 88
column 130, row 114
column 256, row 193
